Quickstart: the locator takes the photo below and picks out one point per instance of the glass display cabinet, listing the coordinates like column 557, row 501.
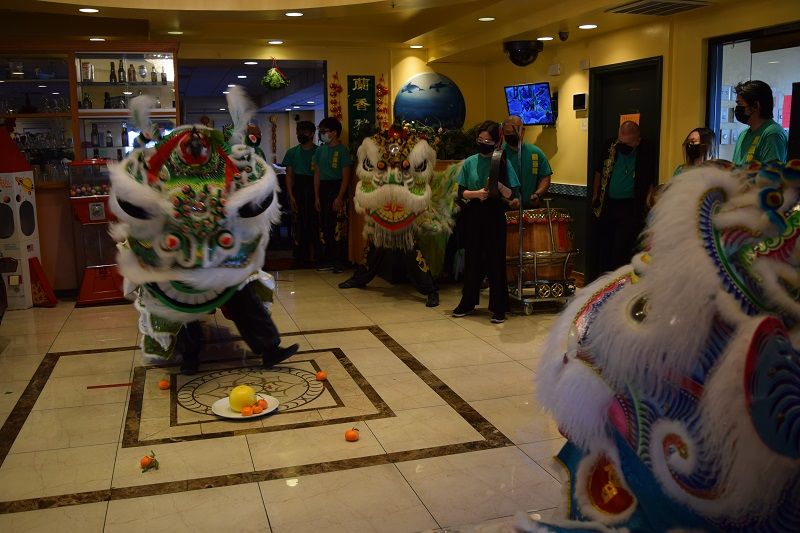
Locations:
column 107, row 81
column 36, row 107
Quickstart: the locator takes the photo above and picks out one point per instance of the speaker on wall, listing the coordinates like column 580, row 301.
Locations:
column 579, row 102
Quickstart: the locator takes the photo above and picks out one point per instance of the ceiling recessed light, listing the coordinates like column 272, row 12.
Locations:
column 226, row 92
column 97, row 39
column 544, row 38
column 288, row 109
column 773, row 62
column 295, row 107
column 415, row 46
column 486, row 19
column 42, row 86
column 241, row 76
column 310, row 102
column 231, row 85
column 275, row 41
column 88, row 10
column 587, row 26
column 293, row 14
column 127, row 93
column 56, row 93
column 222, row 109
column 175, row 32
column 251, row 62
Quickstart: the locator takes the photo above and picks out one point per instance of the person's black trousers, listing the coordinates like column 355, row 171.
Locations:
column 306, row 230
column 415, row 263
column 484, row 234
column 617, row 233
column 333, row 225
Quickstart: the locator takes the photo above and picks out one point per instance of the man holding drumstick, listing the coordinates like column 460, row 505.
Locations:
column 532, row 168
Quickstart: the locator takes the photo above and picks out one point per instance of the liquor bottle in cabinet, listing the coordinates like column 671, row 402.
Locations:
column 124, row 134
column 153, row 75
column 109, row 139
column 112, row 77
column 95, row 135
column 131, row 73
column 121, row 73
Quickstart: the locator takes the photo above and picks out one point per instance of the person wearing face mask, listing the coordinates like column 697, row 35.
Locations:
column 300, row 188
column 534, row 172
column 624, row 182
column 332, row 165
column 698, row 147
column 483, row 222
column 764, row 139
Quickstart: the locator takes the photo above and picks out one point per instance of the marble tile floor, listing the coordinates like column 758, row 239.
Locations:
column 451, row 436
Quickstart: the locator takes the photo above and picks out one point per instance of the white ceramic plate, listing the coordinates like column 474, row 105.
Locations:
column 222, row 407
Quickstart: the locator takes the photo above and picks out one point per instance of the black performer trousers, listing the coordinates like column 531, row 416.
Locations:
column 617, row 233
column 484, row 234
column 333, row 225
column 416, row 267
column 306, row 230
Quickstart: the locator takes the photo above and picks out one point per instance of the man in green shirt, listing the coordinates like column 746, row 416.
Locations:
column 300, row 189
column 534, row 173
column 332, row 165
column 764, row 139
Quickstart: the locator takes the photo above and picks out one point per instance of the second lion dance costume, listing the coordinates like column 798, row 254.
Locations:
column 195, row 214
column 676, row 379
column 402, row 198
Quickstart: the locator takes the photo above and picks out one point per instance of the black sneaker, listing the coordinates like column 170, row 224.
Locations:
column 459, row 311
column 433, row 299
column 275, row 356
column 351, row 283
column 498, row 318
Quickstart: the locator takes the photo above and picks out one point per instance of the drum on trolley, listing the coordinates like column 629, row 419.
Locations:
column 545, row 239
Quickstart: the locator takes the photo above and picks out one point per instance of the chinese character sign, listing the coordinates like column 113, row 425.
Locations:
column 360, row 104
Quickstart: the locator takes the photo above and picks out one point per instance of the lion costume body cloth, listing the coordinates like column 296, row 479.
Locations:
column 676, row 378
column 194, row 219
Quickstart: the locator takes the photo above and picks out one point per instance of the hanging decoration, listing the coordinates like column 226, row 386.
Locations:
column 274, row 121
column 334, row 106
column 274, row 78
column 382, row 106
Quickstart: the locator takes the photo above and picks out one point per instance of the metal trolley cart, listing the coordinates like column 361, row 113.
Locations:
column 539, row 255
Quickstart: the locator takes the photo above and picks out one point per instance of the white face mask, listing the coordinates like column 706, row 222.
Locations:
column 325, row 137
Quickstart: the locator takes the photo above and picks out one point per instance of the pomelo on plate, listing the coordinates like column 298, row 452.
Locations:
column 241, row 396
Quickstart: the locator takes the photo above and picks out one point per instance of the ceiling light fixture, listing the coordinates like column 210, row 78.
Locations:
column 88, row 10
column 222, row 109
column 288, row 109
column 175, row 32
column 127, row 93
column 251, row 62
column 231, row 85
column 97, row 39
column 310, row 102
column 226, row 92
column 293, row 14
column 295, row 107
column 275, row 41
column 773, row 62
column 42, row 86
column 544, row 38
column 56, row 93
column 241, row 76
column 416, row 46
column 587, row 26
column 486, row 19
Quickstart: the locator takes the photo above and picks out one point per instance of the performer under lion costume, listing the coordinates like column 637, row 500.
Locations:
column 676, row 379
column 403, row 199
column 194, row 218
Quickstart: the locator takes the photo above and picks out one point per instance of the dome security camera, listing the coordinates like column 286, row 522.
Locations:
column 522, row 53
column 563, row 35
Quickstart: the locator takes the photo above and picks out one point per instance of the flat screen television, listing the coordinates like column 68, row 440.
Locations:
column 532, row 103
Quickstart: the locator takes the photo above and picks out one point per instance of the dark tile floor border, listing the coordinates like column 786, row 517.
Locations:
column 493, row 438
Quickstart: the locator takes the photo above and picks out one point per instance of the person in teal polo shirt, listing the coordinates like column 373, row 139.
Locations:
column 300, row 189
column 332, row 166
column 534, row 173
column 483, row 220
column 764, row 139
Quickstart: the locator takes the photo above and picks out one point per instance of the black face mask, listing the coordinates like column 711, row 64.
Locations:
column 512, row 140
column 485, row 148
column 302, row 139
column 696, row 151
column 624, row 148
column 740, row 115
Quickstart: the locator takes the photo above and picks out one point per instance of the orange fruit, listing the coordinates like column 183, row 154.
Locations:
column 146, row 461
column 351, row 435
column 262, row 403
column 163, row 384
column 247, row 410
column 257, row 409
column 321, row 375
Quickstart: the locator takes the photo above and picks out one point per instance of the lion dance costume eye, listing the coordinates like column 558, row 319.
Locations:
column 194, row 217
column 676, row 379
